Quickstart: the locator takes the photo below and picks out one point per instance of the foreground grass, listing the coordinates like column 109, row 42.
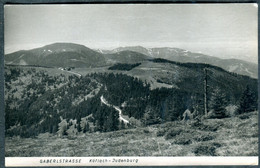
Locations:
column 236, row 136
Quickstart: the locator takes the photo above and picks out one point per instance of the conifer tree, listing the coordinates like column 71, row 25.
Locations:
column 78, row 128
column 122, row 125
column 247, row 102
column 86, row 128
column 62, row 127
column 218, row 104
column 82, row 124
column 72, row 131
column 108, row 124
column 115, row 120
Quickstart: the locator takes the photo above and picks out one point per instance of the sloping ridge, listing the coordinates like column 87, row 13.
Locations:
column 192, row 75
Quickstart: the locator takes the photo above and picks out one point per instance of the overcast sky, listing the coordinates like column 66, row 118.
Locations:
column 225, row 31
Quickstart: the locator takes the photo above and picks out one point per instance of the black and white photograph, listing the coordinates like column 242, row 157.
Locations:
column 131, row 80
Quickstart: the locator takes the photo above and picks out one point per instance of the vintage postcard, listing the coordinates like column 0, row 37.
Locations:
column 131, row 84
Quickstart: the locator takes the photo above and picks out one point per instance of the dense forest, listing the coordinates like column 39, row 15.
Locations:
column 38, row 102
column 123, row 67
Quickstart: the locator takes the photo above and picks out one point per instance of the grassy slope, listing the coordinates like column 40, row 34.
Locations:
column 237, row 136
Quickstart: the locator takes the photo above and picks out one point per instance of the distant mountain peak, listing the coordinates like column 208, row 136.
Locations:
column 58, row 55
column 64, row 47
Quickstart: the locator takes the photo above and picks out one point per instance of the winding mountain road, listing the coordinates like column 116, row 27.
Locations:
column 103, row 100
column 75, row 73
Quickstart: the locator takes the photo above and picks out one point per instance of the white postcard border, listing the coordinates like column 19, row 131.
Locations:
column 128, row 161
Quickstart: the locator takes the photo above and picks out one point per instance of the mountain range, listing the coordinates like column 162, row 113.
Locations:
column 181, row 55
column 79, row 56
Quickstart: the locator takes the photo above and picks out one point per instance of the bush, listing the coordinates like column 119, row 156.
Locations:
column 244, row 116
column 182, row 141
column 212, row 127
column 207, row 150
column 161, row 132
column 201, row 138
column 204, row 150
column 146, row 131
column 172, row 133
column 231, row 110
column 219, row 115
column 255, row 135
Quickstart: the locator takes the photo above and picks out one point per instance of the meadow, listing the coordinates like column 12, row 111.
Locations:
column 234, row 136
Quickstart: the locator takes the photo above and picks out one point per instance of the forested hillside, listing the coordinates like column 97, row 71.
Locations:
column 42, row 100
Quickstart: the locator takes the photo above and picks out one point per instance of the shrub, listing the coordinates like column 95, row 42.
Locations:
column 207, row 150
column 172, row 133
column 201, row 138
column 214, row 127
column 161, row 132
column 231, row 110
column 180, row 140
column 244, row 116
column 255, row 135
column 146, row 131
column 204, row 150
